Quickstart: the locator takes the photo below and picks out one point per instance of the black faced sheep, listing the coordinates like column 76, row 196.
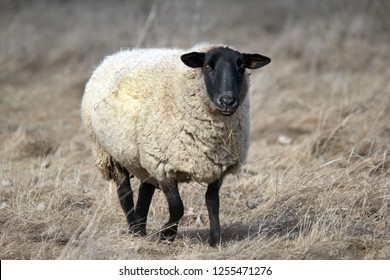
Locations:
column 168, row 116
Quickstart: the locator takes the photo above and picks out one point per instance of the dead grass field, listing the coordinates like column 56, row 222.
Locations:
column 317, row 184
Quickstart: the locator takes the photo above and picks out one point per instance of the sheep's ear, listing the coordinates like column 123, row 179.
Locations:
column 254, row 60
column 193, row 59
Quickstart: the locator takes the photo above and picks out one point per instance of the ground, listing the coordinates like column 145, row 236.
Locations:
column 316, row 185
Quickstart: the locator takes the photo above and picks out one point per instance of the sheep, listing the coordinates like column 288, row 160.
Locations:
column 168, row 116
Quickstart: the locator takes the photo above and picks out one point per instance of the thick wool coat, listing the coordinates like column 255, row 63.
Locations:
column 148, row 112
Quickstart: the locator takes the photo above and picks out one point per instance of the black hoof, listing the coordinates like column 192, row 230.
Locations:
column 168, row 234
column 215, row 241
column 138, row 230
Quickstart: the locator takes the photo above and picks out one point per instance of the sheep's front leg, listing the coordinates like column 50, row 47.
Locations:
column 145, row 195
column 176, row 210
column 212, row 203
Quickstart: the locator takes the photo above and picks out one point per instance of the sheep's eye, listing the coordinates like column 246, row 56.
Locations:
column 209, row 66
column 241, row 65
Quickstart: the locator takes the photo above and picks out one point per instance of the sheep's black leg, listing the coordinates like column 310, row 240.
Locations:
column 176, row 210
column 212, row 203
column 125, row 195
column 146, row 192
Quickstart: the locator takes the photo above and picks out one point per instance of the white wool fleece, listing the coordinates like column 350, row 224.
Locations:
column 149, row 112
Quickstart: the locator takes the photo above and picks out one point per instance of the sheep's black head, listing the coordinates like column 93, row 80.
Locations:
column 224, row 74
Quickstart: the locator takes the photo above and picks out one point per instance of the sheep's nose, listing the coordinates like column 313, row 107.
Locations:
column 227, row 100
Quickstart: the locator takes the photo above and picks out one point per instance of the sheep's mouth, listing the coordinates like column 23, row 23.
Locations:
column 227, row 107
column 227, row 112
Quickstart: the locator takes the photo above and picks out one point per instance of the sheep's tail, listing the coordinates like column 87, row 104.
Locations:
column 109, row 169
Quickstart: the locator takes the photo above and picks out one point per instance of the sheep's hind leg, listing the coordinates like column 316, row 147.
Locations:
column 145, row 195
column 176, row 210
column 125, row 195
column 212, row 203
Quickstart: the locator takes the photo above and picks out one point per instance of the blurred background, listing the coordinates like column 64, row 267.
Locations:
column 48, row 49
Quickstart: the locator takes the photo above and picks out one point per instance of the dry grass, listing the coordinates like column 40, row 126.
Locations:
column 317, row 185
